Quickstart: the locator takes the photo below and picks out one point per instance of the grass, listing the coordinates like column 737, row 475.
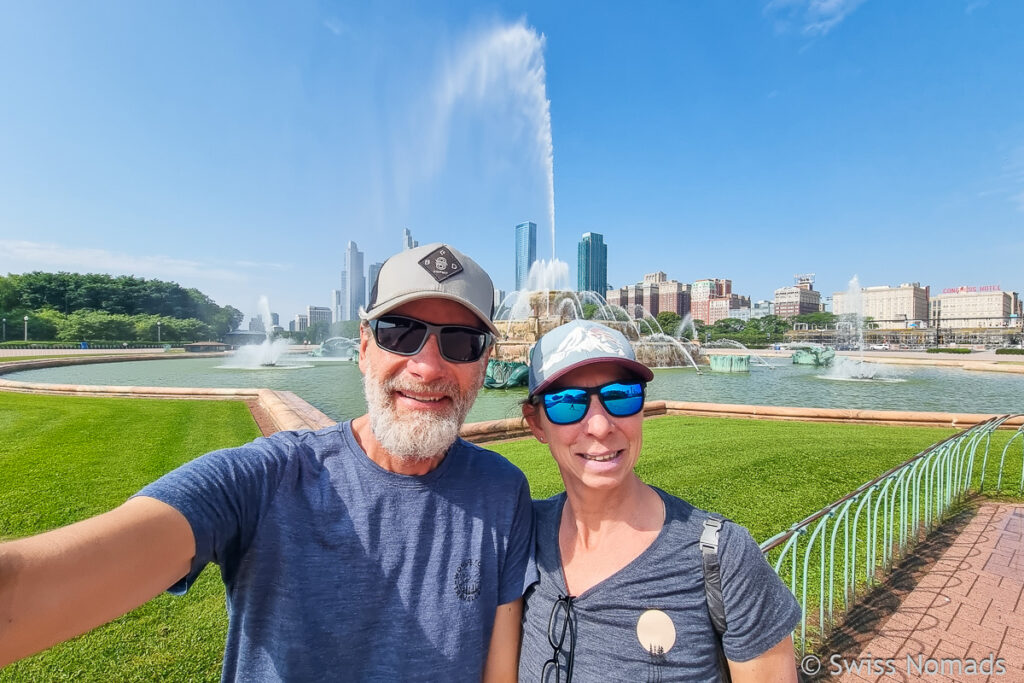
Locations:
column 64, row 459
column 763, row 474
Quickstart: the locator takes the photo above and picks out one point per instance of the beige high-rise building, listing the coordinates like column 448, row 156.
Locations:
column 963, row 307
column 725, row 307
column 798, row 299
column 888, row 306
column 655, row 278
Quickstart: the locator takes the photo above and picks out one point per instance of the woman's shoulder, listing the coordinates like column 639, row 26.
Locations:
column 548, row 507
column 682, row 513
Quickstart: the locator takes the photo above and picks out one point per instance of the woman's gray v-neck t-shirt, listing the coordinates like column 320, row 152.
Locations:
column 668, row 578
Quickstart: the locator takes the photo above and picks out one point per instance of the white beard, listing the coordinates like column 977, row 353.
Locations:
column 415, row 435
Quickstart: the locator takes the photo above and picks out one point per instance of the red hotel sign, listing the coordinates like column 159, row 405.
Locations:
column 970, row 290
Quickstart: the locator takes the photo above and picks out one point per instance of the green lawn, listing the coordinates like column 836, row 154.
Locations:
column 63, row 459
column 763, row 474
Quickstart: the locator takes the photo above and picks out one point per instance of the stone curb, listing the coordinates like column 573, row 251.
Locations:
column 286, row 410
column 290, row 412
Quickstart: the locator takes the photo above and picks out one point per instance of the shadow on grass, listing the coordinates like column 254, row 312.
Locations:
column 863, row 622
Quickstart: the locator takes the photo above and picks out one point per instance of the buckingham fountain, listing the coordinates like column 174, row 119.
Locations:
column 524, row 316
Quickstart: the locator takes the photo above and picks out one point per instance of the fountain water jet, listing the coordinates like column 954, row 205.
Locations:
column 264, row 355
column 505, row 62
column 844, row 368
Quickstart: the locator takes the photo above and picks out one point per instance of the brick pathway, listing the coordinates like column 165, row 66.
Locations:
column 969, row 606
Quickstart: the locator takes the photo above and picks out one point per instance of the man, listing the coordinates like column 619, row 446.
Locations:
column 384, row 548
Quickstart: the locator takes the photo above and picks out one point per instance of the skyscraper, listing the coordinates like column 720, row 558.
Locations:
column 526, row 251
column 337, row 305
column 371, row 276
column 592, row 264
column 355, row 287
column 343, row 296
column 407, row 241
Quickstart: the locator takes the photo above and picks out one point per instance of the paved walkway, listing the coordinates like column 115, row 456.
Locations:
column 968, row 607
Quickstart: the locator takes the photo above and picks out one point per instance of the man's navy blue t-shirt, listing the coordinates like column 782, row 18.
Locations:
column 338, row 568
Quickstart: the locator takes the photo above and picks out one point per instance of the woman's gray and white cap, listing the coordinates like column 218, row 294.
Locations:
column 433, row 271
column 579, row 343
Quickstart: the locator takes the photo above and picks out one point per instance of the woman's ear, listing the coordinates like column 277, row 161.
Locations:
column 530, row 414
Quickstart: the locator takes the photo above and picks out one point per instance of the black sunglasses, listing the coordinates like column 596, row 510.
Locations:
column 570, row 405
column 406, row 337
column 562, row 622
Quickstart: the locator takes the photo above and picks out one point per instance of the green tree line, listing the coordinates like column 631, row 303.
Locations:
column 94, row 307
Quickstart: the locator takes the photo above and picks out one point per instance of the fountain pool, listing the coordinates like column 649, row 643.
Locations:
column 335, row 387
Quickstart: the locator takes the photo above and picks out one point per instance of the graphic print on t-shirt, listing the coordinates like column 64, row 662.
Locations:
column 467, row 580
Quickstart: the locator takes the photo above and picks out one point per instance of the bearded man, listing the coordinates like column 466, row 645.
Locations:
column 384, row 548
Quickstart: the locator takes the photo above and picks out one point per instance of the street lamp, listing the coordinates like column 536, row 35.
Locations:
column 158, row 332
column 26, row 328
column 5, row 329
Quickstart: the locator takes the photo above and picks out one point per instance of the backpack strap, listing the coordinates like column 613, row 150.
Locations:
column 713, row 584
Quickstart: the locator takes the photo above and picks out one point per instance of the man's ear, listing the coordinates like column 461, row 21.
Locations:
column 532, row 417
column 484, row 360
column 364, row 342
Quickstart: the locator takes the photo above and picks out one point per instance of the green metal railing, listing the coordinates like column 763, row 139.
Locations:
column 855, row 539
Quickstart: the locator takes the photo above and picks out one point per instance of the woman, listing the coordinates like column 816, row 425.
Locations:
column 621, row 594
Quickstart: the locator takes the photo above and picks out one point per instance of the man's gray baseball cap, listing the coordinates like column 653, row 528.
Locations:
column 433, row 271
column 579, row 343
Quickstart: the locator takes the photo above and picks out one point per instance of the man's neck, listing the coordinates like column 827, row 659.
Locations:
column 377, row 453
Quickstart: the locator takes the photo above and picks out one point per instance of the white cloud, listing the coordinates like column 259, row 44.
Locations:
column 23, row 255
column 975, row 5
column 811, row 17
column 335, row 26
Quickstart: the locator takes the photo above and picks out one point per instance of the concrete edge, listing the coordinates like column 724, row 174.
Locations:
column 287, row 411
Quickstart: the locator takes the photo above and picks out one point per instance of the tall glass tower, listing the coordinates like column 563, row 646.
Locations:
column 592, row 264
column 355, row 286
column 526, row 251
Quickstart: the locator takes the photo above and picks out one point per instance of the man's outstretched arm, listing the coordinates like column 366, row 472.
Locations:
column 64, row 582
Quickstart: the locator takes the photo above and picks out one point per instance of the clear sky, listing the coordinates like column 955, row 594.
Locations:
column 237, row 146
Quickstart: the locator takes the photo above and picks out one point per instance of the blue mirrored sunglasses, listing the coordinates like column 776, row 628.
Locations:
column 570, row 404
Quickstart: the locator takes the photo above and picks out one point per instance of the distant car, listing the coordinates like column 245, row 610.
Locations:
column 879, row 347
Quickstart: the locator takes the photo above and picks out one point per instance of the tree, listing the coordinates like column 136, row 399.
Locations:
column 727, row 326
column 317, row 332
column 773, row 326
column 42, row 325
column 669, row 322
column 589, row 309
column 816, row 321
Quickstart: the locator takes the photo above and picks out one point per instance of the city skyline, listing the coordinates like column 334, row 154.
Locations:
column 237, row 150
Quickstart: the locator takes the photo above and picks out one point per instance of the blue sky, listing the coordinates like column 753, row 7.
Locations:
column 237, row 147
